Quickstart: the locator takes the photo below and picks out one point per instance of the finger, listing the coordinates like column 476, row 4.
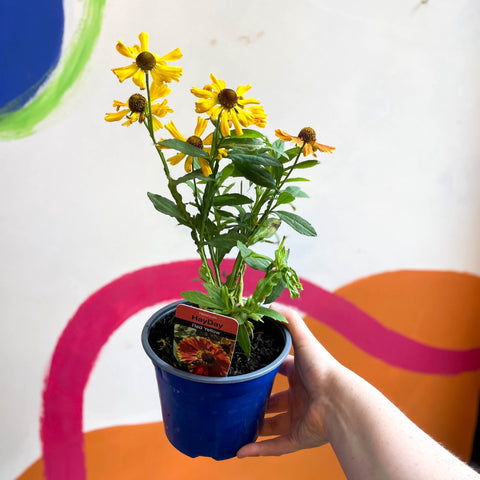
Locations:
column 278, row 402
column 277, row 425
column 272, row 447
column 287, row 365
column 297, row 327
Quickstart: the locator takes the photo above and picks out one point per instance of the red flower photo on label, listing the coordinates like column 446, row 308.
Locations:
column 203, row 357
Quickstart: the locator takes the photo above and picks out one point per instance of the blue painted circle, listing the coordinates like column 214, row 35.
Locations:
column 30, row 45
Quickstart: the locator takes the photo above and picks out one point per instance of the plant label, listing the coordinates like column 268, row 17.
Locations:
column 204, row 341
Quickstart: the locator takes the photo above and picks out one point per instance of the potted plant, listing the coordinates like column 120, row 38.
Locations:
column 237, row 189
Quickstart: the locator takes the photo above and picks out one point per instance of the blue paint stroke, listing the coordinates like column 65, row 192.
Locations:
column 31, row 33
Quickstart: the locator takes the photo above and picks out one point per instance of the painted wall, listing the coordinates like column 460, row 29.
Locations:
column 393, row 85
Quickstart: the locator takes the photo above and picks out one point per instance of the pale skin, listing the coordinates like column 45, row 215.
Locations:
column 327, row 403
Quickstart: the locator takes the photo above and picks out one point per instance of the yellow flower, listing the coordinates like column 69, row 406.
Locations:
column 146, row 61
column 230, row 105
column 136, row 107
column 307, row 138
column 194, row 140
column 197, row 142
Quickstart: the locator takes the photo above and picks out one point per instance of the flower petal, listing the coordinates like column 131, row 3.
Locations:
column 205, row 105
column 308, row 150
column 215, row 112
column 114, row 117
column 201, row 126
column 170, row 126
column 188, row 164
column 283, row 135
column 323, row 148
column 205, row 166
column 156, row 123
column 245, row 117
column 243, row 89
column 259, row 116
column 176, row 158
column 202, row 93
column 159, row 90
column 248, row 101
column 236, row 123
column 217, row 84
column 208, row 140
column 143, row 37
column 139, row 79
column 131, row 119
column 224, row 124
column 166, row 73
column 124, row 50
column 161, row 109
column 117, row 104
column 172, row 56
column 125, row 72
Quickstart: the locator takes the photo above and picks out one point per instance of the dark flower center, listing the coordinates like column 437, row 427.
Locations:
column 195, row 141
column 228, row 98
column 208, row 358
column 308, row 135
column 137, row 103
column 145, row 61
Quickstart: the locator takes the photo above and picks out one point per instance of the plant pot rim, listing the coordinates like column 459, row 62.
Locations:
column 203, row 379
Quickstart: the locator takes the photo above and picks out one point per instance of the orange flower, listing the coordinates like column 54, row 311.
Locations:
column 307, row 138
column 203, row 357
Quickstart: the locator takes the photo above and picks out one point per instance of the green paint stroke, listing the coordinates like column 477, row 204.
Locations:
column 21, row 123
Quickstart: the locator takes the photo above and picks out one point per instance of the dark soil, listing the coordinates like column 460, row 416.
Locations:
column 267, row 344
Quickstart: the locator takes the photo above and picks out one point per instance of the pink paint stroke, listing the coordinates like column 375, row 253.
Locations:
column 107, row 309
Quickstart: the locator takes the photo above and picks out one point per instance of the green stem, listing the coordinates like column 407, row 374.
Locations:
column 239, row 265
column 172, row 184
column 269, row 206
column 207, row 202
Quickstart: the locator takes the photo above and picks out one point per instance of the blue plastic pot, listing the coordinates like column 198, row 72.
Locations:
column 211, row 416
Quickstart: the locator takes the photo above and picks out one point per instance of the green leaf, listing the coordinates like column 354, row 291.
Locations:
column 227, row 240
column 265, row 286
column 297, row 179
column 307, row 164
column 297, row 223
column 292, row 152
column 184, row 147
column 254, row 260
column 243, row 339
column 215, row 294
column 256, row 174
column 296, row 192
column 256, row 159
column 285, row 197
column 276, row 292
column 278, row 149
column 232, row 142
column 226, row 215
column 231, row 199
column 201, row 299
column 227, row 172
column 167, row 207
column 247, row 133
column 193, row 175
column 269, row 228
column 270, row 312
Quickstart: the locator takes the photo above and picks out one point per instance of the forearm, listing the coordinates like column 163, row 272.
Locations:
column 374, row 440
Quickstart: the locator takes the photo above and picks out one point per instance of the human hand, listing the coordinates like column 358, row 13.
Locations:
column 299, row 422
